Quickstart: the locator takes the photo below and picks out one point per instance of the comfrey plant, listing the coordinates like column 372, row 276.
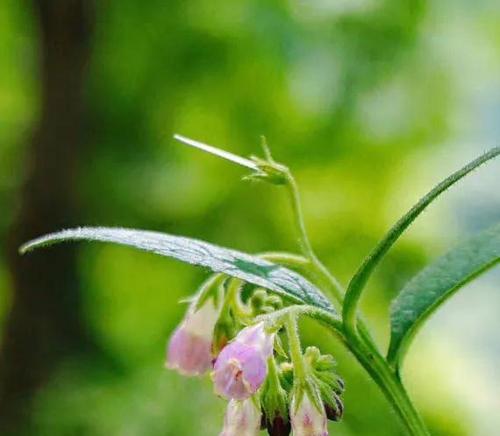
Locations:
column 241, row 326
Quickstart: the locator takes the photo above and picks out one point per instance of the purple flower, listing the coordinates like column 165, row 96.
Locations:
column 190, row 347
column 242, row 419
column 307, row 419
column 241, row 367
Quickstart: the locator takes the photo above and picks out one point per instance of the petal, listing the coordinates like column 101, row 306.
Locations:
column 256, row 336
column 202, row 322
column 189, row 354
column 242, row 419
column 308, row 420
column 239, row 371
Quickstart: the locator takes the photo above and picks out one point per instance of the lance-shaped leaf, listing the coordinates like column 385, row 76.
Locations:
column 251, row 269
column 423, row 294
column 360, row 279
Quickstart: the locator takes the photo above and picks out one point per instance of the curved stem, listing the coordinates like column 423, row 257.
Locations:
column 369, row 357
column 232, row 302
column 305, row 243
column 319, row 270
column 279, row 317
column 389, row 383
column 359, row 340
column 286, row 259
column 374, row 363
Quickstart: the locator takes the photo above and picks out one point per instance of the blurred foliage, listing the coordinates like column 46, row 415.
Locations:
column 358, row 97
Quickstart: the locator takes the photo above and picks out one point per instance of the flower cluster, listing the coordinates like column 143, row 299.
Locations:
column 242, row 347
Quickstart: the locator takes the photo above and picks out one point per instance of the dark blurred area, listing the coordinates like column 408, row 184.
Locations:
column 369, row 102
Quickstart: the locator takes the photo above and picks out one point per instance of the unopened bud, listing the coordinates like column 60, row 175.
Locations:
column 312, row 354
column 275, row 301
column 279, row 426
column 340, row 388
column 307, row 419
column 334, row 412
column 242, row 419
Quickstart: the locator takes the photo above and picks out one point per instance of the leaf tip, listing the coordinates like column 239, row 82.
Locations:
column 28, row 246
column 179, row 138
column 23, row 249
column 239, row 160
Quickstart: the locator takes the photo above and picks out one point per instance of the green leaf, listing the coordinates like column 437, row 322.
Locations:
column 359, row 280
column 423, row 294
column 251, row 269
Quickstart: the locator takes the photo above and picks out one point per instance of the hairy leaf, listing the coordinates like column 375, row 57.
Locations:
column 436, row 283
column 359, row 280
column 251, row 269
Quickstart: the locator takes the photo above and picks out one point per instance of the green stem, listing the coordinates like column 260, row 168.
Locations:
column 358, row 340
column 233, row 302
column 299, row 367
column 390, row 385
column 319, row 270
column 286, row 259
column 305, row 243
column 278, row 318
column 371, row 360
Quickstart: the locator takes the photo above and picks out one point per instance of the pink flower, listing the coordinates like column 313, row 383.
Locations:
column 241, row 367
column 242, row 419
column 307, row 419
column 190, row 347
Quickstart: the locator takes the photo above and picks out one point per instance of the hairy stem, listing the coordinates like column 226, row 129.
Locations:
column 358, row 341
column 299, row 367
column 374, row 363
column 304, row 242
column 318, row 269
column 389, row 383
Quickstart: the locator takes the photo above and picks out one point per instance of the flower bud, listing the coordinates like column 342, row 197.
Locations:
column 241, row 367
column 257, row 299
column 286, row 371
column 274, row 403
column 307, row 419
column 242, row 418
column 340, row 387
column 275, row 302
column 334, row 410
column 329, row 384
column 279, row 426
column 189, row 349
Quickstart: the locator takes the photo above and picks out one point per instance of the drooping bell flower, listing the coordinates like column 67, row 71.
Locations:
column 307, row 419
column 242, row 418
column 241, row 367
column 190, row 347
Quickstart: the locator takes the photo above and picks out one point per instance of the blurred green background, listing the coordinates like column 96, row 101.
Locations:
column 369, row 102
